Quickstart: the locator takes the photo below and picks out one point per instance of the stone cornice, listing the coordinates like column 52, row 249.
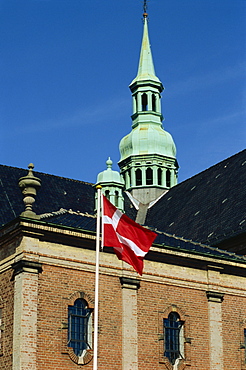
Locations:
column 215, row 296
column 129, row 283
column 27, row 266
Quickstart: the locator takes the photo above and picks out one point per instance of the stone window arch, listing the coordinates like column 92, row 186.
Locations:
column 173, row 337
column 174, row 321
column 79, row 322
column 77, row 325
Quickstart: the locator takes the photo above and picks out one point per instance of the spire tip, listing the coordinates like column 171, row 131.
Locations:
column 145, row 6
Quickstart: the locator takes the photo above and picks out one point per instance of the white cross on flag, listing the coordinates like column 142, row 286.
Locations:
column 131, row 241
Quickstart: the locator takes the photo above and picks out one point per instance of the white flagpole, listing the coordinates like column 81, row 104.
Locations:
column 95, row 347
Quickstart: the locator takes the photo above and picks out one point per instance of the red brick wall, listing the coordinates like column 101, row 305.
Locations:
column 6, row 303
column 155, row 303
column 57, row 285
column 234, row 322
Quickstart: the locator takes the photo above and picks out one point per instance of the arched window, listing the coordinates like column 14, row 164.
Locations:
column 107, row 194
column 138, row 177
column 149, row 176
column 168, row 178
column 144, row 102
column 154, row 102
column 159, row 176
column 173, row 337
column 116, row 198
column 78, row 326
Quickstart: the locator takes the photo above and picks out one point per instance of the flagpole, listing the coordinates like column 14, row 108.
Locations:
column 95, row 347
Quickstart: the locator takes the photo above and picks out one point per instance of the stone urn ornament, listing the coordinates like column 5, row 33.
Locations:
column 29, row 185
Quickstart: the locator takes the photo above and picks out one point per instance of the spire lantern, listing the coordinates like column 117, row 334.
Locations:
column 112, row 185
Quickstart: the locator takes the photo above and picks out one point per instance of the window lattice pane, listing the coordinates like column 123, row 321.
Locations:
column 172, row 326
column 78, row 319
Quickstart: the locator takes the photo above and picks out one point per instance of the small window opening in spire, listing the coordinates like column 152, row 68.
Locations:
column 116, row 198
column 154, row 102
column 107, row 194
column 159, row 176
column 144, row 102
column 138, row 177
column 136, row 103
column 149, row 176
column 168, row 178
column 130, row 178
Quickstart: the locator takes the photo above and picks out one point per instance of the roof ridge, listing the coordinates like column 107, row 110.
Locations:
column 202, row 245
column 62, row 211
column 180, row 238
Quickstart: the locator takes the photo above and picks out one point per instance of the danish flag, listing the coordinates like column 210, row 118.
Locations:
column 131, row 241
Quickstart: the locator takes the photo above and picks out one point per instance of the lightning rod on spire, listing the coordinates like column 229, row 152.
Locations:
column 145, row 6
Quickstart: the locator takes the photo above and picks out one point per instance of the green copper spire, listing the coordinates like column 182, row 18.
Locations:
column 148, row 154
column 146, row 69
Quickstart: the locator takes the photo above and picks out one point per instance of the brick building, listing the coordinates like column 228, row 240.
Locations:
column 187, row 310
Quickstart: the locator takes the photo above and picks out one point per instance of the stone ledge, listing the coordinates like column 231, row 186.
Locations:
column 215, row 296
column 129, row 283
column 26, row 266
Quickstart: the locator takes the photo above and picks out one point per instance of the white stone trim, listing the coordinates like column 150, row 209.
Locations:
column 25, row 321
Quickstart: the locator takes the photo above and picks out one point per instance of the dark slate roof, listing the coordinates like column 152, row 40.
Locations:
column 183, row 245
column 76, row 220
column 203, row 210
column 208, row 207
column 55, row 193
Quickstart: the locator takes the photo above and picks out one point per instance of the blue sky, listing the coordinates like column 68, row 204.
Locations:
column 66, row 65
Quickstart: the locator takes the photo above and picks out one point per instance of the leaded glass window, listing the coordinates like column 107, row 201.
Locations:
column 172, row 337
column 78, row 326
